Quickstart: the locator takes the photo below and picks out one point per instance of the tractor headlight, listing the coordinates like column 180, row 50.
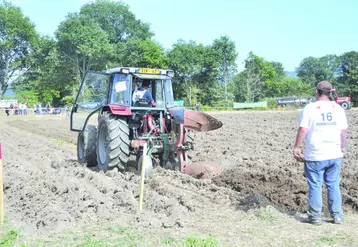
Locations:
column 125, row 71
column 170, row 73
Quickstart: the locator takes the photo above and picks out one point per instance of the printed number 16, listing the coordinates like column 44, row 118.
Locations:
column 328, row 116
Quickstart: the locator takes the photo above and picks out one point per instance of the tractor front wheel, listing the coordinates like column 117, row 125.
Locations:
column 86, row 146
column 345, row 105
column 112, row 142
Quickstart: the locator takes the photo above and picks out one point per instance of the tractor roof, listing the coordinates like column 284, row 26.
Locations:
column 144, row 73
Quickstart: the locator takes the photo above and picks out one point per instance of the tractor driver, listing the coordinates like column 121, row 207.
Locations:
column 143, row 93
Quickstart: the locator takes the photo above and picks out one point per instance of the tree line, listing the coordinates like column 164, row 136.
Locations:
column 105, row 34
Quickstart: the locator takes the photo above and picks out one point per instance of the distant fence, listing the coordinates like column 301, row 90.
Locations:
column 262, row 104
column 31, row 111
column 7, row 102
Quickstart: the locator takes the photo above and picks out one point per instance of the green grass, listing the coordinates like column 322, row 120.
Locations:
column 200, row 242
column 102, row 237
column 333, row 240
column 9, row 238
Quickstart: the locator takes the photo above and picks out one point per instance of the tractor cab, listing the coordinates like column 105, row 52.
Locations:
column 114, row 91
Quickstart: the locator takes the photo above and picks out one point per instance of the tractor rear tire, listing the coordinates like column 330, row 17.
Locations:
column 113, row 142
column 86, row 146
column 345, row 105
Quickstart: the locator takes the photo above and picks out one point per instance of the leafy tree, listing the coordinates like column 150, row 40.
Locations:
column 141, row 53
column 51, row 76
column 28, row 97
column 226, row 54
column 116, row 20
column 186, row 59
column 238, row 87
column 207, row 78
column 348, row 81
column 279, row 70
column 289, row 86
column 83, row 43
column 254, row 82
column 313, row 70
column 17, row 38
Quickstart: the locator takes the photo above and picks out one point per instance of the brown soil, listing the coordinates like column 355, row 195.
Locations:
column 46, row 190
column 256, row 149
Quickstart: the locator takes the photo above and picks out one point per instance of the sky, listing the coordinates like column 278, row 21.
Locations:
column 284, row 31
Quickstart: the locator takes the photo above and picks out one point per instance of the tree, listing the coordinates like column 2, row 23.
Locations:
column 17, row 38
column 83, row 43
column 116, row 20
column 186, row 59
column 264, row 72
column 279, row 70
column 50, row 76
column 226, row 54
column 348, row 81
column 313, row 70
column 253, row 82
column 140, row 53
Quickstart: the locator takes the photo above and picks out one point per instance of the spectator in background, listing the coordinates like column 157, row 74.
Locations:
column 11, row 109
column 20, row 109
column 24, row 109
column 7, row 111
column 197, row 106
column 16, row 109
column 67, row 109
column 38, row 109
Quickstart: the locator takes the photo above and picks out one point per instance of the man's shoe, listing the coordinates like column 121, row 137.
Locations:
column 315, row 221
column 337, row 220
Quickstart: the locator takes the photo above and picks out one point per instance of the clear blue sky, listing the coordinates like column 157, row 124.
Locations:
column 278, row 30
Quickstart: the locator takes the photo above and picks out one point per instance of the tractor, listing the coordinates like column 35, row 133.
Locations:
column 122, row 127
column 344, row 102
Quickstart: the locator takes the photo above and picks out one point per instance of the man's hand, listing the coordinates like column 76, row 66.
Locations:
column 297, row 154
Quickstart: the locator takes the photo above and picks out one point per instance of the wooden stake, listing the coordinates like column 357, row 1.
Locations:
column 141, row 194
column 1, row 191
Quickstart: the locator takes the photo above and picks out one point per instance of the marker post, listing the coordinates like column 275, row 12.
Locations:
column 1, row 190
column 141, row 192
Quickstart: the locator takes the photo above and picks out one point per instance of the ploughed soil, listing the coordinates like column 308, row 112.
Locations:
column 47, row 190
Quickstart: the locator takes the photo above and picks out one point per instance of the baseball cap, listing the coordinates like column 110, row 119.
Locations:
column 324, row 86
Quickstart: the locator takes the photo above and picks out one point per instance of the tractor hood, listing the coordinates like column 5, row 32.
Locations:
column 195, row 120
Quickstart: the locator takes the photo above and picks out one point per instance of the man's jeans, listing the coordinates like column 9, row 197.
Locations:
column 327, row 171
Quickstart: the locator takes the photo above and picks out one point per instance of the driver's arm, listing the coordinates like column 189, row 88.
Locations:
column 149, row 97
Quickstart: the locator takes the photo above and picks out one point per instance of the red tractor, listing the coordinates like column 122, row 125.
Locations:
column 345, row 102
column 123, row 127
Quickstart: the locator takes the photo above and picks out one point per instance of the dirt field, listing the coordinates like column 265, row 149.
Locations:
column 259, row 200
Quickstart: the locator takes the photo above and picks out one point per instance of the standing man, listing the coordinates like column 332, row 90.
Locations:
column 323, row 125
column 197, row 106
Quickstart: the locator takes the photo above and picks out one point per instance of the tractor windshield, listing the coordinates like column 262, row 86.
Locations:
column 157, row 93
column 119, row 94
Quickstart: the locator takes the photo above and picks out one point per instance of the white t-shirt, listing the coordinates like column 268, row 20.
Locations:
column 324, row 121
